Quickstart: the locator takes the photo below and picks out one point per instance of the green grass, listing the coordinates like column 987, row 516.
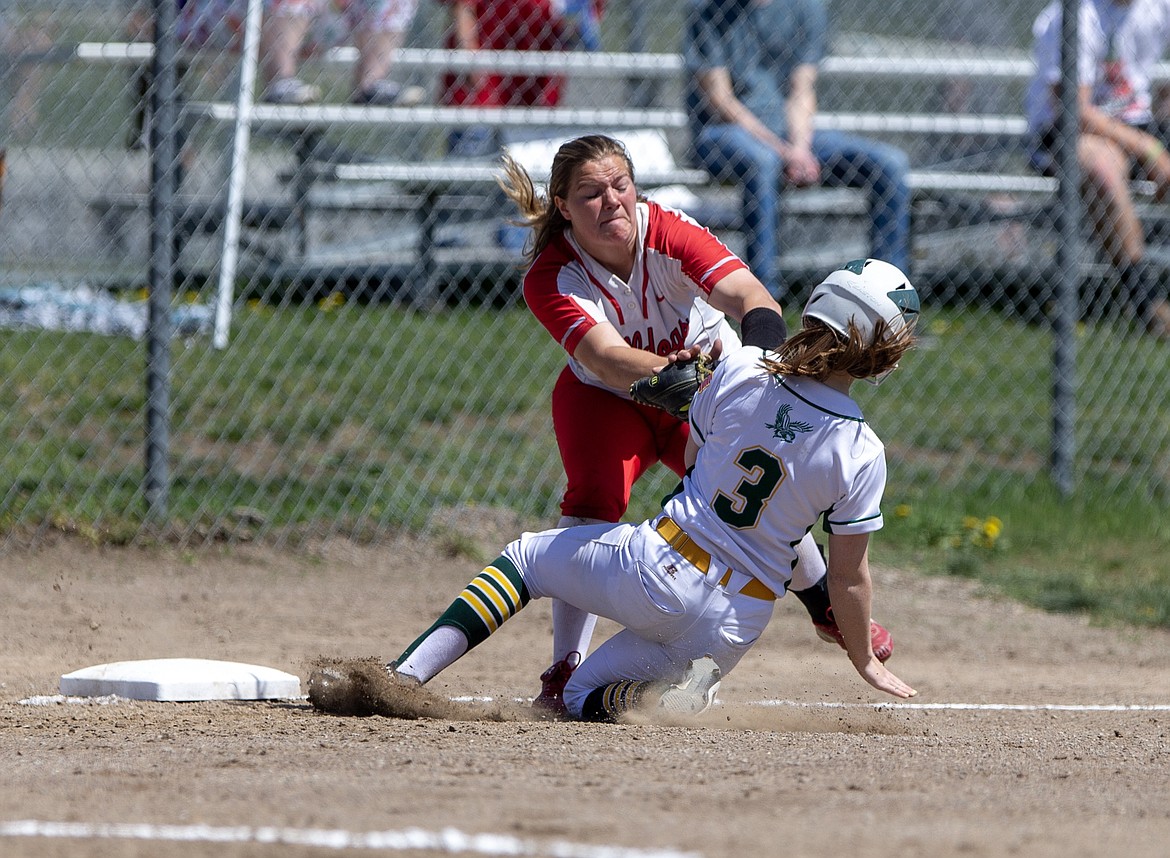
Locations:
column 367, row 419
column 1102, row 556
column 967, row 423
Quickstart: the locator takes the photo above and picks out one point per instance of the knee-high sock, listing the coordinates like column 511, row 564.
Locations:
column 490, row 599
column 572, row 627
column 434, row 652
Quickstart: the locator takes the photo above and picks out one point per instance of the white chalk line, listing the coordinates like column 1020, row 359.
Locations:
column 60, row 699
column 985, row 707
column 988, row 707
column 447, row 840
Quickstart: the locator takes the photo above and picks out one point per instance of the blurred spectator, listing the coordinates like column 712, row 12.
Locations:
column 511, row 25
column 379, row 28
column 751, row 97
column 583, row 23
column 1120, row 42
column 20, row 43
column 199, row 25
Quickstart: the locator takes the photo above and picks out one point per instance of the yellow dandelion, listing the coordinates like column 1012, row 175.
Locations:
column 902, row 510
column 332, row 301
column 970, row 522
column 992, row 528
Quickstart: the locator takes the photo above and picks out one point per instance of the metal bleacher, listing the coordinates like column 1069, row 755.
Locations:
column 419, row 187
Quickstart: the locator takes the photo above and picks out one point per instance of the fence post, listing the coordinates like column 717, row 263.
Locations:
column 1068, row 259
column 163, row 181
column 241, row 135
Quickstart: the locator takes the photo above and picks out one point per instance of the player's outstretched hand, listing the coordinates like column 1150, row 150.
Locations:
column 880, row 677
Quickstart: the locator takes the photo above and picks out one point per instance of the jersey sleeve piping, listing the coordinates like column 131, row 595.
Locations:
column 830, row 524
column 732, row 263
column 705, row 260
column 576, row 333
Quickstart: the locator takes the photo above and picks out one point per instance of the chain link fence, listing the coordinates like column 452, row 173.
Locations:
column 345, row 346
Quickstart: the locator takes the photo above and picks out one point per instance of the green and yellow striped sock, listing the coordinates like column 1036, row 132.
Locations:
column 491, row 598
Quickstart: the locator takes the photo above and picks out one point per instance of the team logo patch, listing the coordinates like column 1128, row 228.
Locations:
column 784, row 428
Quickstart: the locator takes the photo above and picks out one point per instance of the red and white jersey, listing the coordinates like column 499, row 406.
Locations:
column 661, row 309
column 776, row 454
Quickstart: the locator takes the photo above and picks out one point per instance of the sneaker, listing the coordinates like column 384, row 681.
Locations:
column 881, row 640
column 552, row 685
column 290, row 90
column 389, row 93
column 695, row 692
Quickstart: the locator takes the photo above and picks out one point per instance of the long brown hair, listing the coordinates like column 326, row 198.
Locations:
column 540, row 211
column 817, row 351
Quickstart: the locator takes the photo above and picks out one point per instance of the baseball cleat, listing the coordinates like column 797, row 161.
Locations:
column 880, row 639
column 398, row 676
column 552, row 685
column 695, row 692
column 335, row 691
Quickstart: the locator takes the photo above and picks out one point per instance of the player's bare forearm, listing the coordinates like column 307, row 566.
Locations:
column 739, row 293
column 851, row 594
column 613, row 360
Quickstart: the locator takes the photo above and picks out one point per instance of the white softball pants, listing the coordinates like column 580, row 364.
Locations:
column 672, row 612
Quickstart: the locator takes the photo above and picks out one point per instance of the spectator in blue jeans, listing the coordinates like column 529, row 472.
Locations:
column 751, row 99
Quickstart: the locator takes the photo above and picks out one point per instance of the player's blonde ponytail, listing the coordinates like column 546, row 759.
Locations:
column 817, row 351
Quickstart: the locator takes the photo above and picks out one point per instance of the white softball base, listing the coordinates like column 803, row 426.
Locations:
column 181, row 679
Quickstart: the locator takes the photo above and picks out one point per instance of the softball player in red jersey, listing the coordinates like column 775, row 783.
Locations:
column 777, row 444
column 620, row 283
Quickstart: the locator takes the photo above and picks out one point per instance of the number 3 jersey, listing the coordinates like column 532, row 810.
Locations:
column 775, row 455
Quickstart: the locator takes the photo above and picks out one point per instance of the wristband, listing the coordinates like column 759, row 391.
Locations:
column 763, row 327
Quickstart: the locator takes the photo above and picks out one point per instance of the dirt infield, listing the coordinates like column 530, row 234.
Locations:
column 1027, row 769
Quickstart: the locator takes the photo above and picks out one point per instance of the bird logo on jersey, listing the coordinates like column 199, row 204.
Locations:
column 784, row 428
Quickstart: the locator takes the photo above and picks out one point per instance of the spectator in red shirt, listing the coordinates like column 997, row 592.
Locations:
column 503, row 25
column 508, row 25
